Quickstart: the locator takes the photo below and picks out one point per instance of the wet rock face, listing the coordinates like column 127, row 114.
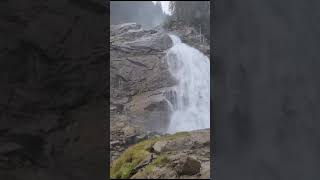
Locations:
column 139, row 75
column 53, row 65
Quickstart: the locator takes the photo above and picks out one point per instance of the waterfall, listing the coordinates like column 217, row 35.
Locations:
column 190, row 98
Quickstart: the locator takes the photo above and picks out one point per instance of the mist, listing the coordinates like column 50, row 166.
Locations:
column 145, row 13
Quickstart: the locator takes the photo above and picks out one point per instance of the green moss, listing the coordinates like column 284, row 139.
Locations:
column 174, row 136
column 122, row 167
column 125, row 171
column 160, row 160
column 145, row 172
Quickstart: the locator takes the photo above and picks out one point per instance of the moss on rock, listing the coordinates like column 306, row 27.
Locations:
column 123, row 167
column 160, row 161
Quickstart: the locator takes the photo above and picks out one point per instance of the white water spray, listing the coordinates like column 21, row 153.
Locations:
column 191, row 97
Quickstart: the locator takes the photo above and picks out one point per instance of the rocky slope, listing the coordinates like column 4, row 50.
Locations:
column 139, row 76
column 184, row 155
column 140, row 82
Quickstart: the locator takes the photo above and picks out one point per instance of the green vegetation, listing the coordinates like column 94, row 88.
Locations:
column 192, row 13
column 122, row 167
column 160, row 161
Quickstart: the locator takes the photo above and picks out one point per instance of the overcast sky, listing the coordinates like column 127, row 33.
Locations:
column 165, row 6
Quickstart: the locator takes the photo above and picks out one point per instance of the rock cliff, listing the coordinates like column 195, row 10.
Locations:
column 139, row 76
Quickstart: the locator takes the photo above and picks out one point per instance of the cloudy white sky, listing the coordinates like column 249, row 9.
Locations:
column 165, row 6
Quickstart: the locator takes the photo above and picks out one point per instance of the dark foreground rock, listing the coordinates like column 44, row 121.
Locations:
column 267, row 91
column 53, row 90
column 188, row 166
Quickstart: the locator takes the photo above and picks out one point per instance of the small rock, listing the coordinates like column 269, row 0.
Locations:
column 121, row 124
column 188, row 166
column 129, row 131
column 145, row 162
column 205, row 170
column 159, row 146
column 130, row 140
column 141, row 137
column 113, row 143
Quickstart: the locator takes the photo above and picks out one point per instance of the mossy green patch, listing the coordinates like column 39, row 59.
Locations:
column 160, row 161
column 174, row 136
column 122, row 167
column 145, row 172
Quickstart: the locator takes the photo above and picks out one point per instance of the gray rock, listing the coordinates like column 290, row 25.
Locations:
column 145, row 162
column 114, row 143
column 141, row 137
column 188, row 166
column 129, row 140
column 129, row 131
column 121, row 28
column 159, row 146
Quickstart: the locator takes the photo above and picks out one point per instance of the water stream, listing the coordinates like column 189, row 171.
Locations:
column 190, row 98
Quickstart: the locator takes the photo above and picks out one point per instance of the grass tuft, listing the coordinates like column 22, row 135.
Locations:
column 122, row 167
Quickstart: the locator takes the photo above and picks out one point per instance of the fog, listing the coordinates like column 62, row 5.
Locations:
column 145, row 13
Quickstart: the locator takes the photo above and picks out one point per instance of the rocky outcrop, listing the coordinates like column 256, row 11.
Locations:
column 139, row 76
column 185, row 155
column 123, row 134
column 53, row 89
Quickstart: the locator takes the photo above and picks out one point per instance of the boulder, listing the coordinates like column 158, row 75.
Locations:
column 188, row 166
column 114, row 143
column 129, row 140
column 159, row 146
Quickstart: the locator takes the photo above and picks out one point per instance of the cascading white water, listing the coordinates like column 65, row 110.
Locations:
column 191, row 96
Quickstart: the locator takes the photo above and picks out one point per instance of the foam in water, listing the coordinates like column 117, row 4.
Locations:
column 191, row 97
